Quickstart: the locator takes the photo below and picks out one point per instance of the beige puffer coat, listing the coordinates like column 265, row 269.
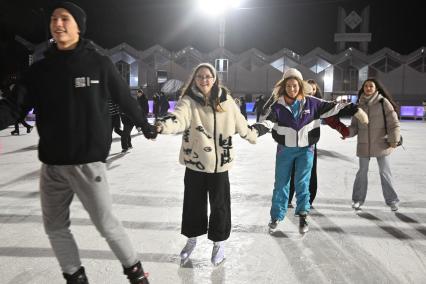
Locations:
column 207, row 144
column 372, row 139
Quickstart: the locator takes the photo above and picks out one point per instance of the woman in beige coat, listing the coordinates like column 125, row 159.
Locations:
column 377, row 139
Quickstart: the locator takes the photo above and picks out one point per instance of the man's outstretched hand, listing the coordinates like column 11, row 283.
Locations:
column 150, row 131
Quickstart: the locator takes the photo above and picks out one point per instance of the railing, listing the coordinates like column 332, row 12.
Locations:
column 413, row 112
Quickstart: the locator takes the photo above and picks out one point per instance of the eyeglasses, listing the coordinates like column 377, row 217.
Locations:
column 201, row 78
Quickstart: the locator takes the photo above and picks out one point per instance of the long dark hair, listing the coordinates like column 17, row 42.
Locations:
column 381, row 90
column 318, row 93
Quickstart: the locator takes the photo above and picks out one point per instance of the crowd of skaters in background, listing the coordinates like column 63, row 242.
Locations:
column 206, row 113
column 6, row 90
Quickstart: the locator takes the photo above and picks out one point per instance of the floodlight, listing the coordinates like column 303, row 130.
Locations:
column 217, row 7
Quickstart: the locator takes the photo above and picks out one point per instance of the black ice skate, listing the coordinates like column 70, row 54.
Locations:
column 79, row 277
column 303, row 223
column 356, row 205
column 273, row 224
column 394, row 206
column 135, row 274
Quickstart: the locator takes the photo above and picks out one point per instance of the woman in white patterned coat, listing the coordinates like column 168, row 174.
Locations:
column 208, row 117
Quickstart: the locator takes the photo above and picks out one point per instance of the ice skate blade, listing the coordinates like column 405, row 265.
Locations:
column 219, row 263
column 272, row 231
column 303, row 232
column 358, row 210
column 184, row 261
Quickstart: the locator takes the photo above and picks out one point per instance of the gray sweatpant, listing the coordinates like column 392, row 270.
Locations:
column 359, row 192
column 58, row 184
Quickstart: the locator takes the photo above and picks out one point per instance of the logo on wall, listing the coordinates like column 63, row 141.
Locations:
column 353, row 20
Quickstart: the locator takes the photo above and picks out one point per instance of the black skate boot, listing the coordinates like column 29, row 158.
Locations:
column 303, row 223
column 356, row 205
column 78, row 277
column 273, row 224
column 135, row 274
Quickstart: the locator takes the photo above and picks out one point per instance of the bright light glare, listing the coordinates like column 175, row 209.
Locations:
column 235, row 3
column 217, row 7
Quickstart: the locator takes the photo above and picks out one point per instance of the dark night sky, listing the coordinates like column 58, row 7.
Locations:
column 268, row 25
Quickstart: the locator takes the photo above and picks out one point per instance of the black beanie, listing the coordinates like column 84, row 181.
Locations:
column 77, row 12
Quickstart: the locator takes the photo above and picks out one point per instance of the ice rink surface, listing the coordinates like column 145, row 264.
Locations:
column 342, row 246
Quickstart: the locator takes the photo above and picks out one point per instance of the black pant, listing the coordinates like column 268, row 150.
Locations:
column 23, row 122
column 126, row 139
column 312, row 183
column 116, row 124
column 194, row 217
column 258, row 116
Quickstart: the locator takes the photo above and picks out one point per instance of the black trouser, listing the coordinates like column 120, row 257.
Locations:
column 126, row 139
column 23, row 122
column 116, row 124
column 194, row 217
column 312, row 183
column 258, row 116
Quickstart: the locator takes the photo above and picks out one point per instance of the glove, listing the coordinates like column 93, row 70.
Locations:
column 149, row 131
column 361, row 116
column 262, row 128
column 335, row 123
column 343, row 130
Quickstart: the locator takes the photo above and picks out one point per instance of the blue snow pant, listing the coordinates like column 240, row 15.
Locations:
column 302, row 157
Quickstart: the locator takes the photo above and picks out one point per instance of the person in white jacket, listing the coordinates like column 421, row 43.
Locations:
column 208, row 117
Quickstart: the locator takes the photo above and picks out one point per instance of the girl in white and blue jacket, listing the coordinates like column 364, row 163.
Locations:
column 296, row 129
column 208, row 117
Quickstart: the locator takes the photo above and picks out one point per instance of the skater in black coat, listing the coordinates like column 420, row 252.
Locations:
column 70, row 88
column 6, row 92
column 258, row 107
column 156, row 105
column 164, row 104
column 114, row 112
column 24, row 123
column 243, row 106
column 143, row 101
column 126, row 138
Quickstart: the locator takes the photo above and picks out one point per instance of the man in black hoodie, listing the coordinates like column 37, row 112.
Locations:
column 69, row 90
